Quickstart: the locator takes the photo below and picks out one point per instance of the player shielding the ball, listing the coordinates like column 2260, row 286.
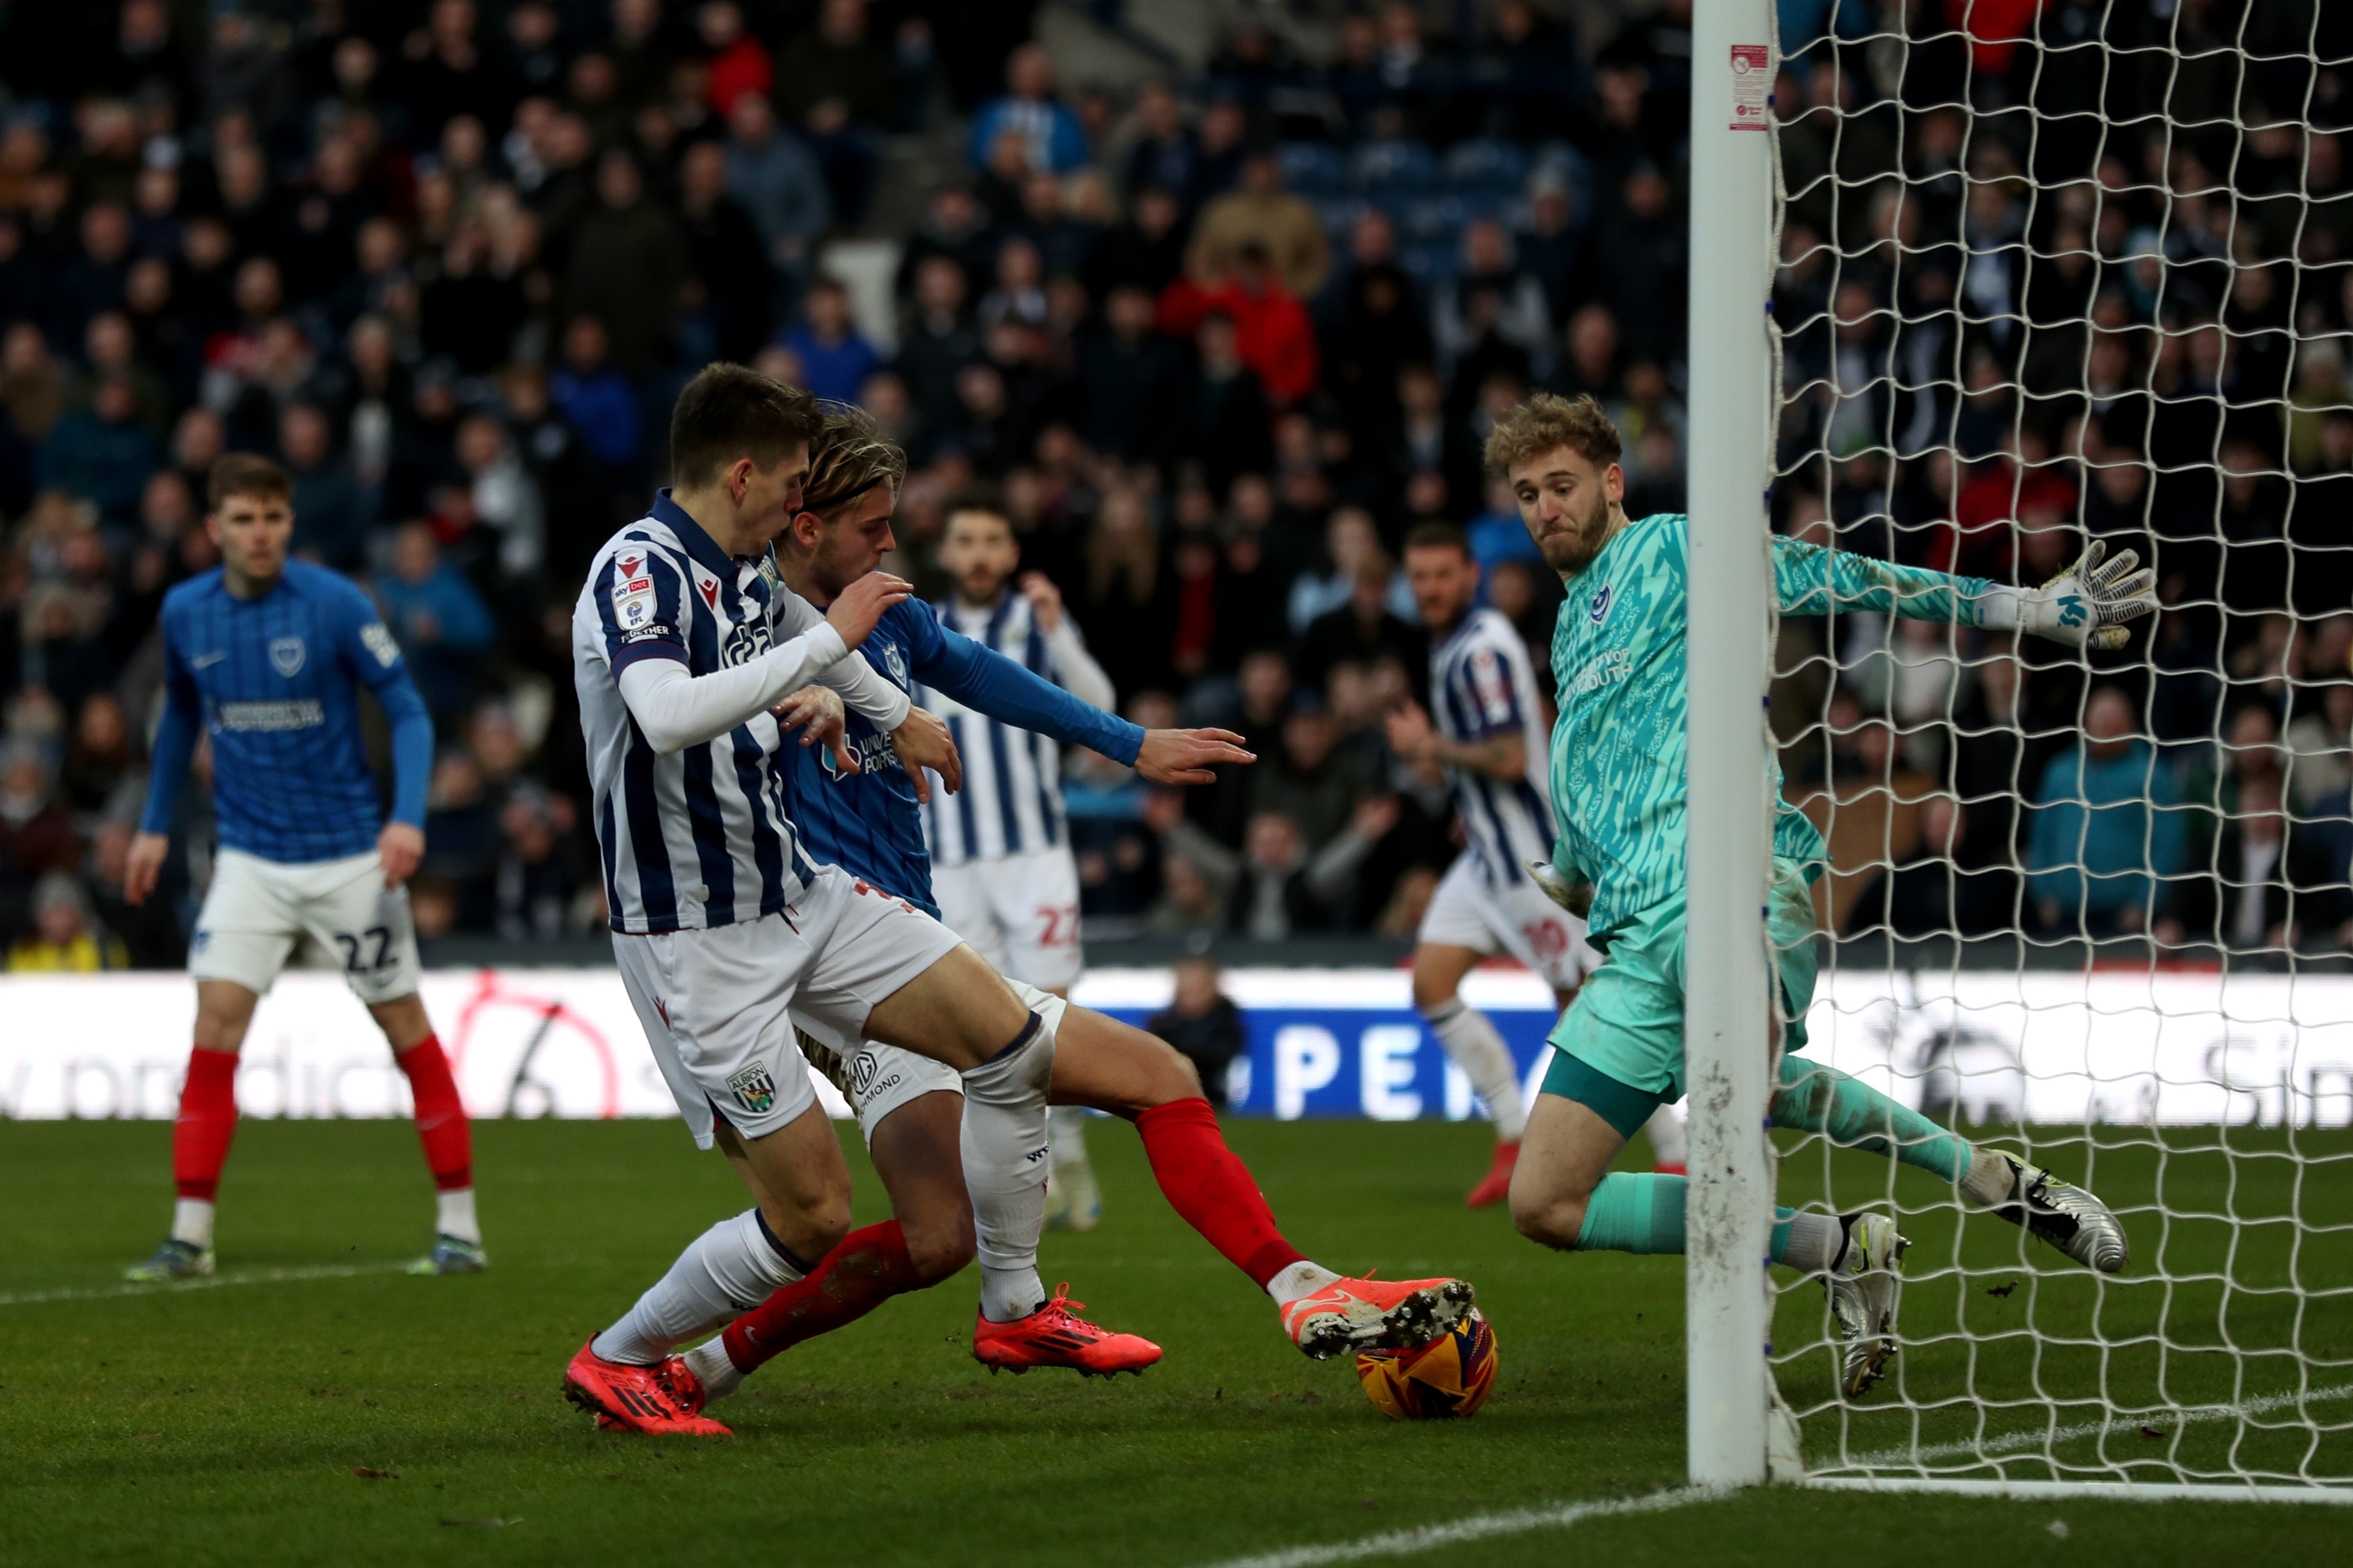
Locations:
column 726, row 930
column 1618, row 788
column 265, row 656
column 856, row 807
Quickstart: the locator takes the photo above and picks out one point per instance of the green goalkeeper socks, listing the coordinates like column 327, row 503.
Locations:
column 1644, row 1213
column 1816, row 1098
column 1634, row 1214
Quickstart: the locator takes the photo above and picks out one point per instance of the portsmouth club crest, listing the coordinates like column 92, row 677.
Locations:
column 754, row 1090
column 286, row 656
column 894, row 664
column 1596, row 609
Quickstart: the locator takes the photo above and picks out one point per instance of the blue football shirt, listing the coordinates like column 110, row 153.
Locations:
column 274, row 682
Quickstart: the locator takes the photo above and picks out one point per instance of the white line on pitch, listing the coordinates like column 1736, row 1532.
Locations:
column 2018, row 1442
column 209, row 1282
column 1478, row 1527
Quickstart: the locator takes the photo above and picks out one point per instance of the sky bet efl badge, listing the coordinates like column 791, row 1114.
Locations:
column 754, row 1090
column 633, row 595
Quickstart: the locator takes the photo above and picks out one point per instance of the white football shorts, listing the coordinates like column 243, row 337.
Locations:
column 718, row 1004
column 257, row 909
column 1019, row 911
column 1510, row 916
column 877, row 1079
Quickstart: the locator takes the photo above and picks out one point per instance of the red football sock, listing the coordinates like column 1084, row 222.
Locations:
column 441, row 1124
column 1212, row 1190
column 200, row 1137
column 866, row 1269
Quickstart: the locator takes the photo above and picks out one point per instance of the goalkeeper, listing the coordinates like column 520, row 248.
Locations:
column 1618, row 791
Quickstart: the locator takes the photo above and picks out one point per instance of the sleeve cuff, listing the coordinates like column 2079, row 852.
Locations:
column 637, row 653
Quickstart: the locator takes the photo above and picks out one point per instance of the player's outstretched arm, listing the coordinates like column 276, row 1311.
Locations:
column 2087, row 605
column 640, row 619
column 988, row 682
column 675, row 710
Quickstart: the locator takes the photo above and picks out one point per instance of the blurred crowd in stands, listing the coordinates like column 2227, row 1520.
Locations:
column 1217, row 339
column 2096, row 287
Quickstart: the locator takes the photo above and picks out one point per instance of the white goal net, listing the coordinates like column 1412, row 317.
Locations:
column 2049, row 274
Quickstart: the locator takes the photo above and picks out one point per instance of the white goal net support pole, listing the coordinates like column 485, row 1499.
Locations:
column 2081, row 276
column 1729, row 1013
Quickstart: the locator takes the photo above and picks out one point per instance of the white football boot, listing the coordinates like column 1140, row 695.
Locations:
column 2057, row 1210
column 1862, row 1290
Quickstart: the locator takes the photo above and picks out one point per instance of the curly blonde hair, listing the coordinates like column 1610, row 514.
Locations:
column 1547, row 421
column 849, row 456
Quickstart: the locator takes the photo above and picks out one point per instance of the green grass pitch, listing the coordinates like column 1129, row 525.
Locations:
column 224, row 1425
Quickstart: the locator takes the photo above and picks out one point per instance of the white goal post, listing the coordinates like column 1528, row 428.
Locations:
column 1726, row 1046
column 1977, row 301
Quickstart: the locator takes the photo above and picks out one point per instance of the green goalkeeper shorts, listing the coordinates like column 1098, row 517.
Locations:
column 1627, row 1021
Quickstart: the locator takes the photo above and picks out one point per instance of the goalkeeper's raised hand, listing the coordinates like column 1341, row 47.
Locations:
column 2084, row 606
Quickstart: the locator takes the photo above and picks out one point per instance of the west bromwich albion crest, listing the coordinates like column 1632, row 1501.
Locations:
column 286, row 656
column 754, row 1090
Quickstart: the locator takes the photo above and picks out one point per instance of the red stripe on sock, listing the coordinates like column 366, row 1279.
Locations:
column 1212, row 1189
column 200, row 1137
column 869, row 1267
column 441, row 1124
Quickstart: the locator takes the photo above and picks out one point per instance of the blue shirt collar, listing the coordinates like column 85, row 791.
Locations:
column 700, row 546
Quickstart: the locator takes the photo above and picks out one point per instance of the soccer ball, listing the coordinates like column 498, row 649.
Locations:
column 1451, row 1375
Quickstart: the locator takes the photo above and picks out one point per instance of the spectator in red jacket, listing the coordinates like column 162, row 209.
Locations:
column 1276, row 337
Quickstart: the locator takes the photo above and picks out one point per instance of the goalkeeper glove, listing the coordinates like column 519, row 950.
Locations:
column 2083, row 607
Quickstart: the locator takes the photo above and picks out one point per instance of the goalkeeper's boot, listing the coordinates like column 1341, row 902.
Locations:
column 174, row 1259
column 2061, row 1213
column 452, row 1256
column 1862, row 1288
column 1496, row 1184
column 1073, row 1202
column 1357, row 1315
column 659, row 1399
column 1055, row 1335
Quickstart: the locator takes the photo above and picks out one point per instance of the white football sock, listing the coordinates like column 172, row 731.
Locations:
column 1005, row 1155
column 727, row 1269
column 1669, row 1143
column 1300, row 1279
column 1817, row 1242
column 1989, row 1182
column 709, row 1362
column 1485, row 1060
column 191, row 1222
column 455, row 1215
column 1066, row 1125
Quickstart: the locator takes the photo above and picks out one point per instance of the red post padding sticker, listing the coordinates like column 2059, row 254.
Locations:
column 1752, row 82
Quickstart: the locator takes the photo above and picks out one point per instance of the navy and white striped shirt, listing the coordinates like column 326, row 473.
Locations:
column 1481, row 686
column 701, row 837
column 274, row 681
column 1011, row 802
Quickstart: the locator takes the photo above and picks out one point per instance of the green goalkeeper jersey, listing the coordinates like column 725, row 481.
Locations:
column 1619, row 756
